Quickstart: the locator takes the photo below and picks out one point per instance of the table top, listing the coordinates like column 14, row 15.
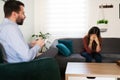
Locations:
column 93, row 69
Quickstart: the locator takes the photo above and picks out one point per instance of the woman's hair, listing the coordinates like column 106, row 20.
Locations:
column 94, row 30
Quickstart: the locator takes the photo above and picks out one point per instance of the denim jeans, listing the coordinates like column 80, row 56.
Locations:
column 90, row 57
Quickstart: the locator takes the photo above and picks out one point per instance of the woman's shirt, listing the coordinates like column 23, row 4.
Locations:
column 85, row 43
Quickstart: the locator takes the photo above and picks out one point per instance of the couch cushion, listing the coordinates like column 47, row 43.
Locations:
column 77, row 44
column 110, row 57
column 111, row 45
column 68, row 44
column 63, row 49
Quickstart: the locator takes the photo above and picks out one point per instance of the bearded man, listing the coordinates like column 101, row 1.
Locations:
column 17, row 50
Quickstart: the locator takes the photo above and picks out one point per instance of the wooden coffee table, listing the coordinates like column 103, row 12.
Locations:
column 92, row 71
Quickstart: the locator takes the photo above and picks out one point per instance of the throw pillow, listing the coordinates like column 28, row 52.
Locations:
column 63, row 49
column 68, row 44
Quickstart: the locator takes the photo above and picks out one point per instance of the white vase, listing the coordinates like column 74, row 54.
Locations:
column 103, row 27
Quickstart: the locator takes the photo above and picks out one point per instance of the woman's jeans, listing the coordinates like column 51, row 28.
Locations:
column 89, row 57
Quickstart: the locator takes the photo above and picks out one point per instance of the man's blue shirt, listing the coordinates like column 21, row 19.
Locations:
column 17, row 50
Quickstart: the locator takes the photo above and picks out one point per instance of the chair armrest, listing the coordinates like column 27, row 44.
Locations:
column 40, row 69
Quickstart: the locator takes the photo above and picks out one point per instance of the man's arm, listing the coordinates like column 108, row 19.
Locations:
column 17, row 43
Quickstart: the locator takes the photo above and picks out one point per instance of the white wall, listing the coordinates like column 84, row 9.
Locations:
column 1, row 11
column 28, row 27
column 112, row 14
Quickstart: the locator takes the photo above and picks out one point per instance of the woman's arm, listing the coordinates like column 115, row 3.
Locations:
column 98, row 47
column 90, row 44
column 86, row 46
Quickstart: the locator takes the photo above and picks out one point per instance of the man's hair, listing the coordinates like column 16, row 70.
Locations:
column 10, row 6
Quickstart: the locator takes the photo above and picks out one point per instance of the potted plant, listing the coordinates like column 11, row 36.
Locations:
column 102, row 24
column 102, row 21
column 43, row 36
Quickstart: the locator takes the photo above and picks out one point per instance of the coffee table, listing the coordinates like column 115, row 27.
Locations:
column 92, row 71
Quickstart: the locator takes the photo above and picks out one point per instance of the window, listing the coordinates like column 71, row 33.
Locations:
column 66, row 18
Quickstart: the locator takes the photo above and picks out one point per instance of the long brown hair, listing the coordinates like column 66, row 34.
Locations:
column 94, row 30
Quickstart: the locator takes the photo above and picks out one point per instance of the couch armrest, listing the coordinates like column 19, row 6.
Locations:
column 51, row 52
column 40, row 69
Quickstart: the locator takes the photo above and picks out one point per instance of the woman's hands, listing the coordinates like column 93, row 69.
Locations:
column 93, row 37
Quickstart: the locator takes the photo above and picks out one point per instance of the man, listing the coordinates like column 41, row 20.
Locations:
column 17, row 50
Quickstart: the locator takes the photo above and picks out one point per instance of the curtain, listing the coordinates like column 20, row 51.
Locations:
column 66, row 18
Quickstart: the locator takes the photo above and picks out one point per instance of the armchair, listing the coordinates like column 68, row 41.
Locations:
column 39, row 69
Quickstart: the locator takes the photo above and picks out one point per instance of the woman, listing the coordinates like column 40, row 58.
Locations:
column 92, row 45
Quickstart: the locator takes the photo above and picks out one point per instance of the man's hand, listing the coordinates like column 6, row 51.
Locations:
column 32, row 44
column 40, row 42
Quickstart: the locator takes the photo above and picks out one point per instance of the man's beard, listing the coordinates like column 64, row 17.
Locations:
column 19, row 21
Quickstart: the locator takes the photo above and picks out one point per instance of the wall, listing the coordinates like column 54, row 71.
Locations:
column 112, row 14
column 28, row 27
column 1, row 11
column 35, row 17
column 39, row 17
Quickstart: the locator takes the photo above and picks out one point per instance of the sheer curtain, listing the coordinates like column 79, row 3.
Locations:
column 66, row 18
